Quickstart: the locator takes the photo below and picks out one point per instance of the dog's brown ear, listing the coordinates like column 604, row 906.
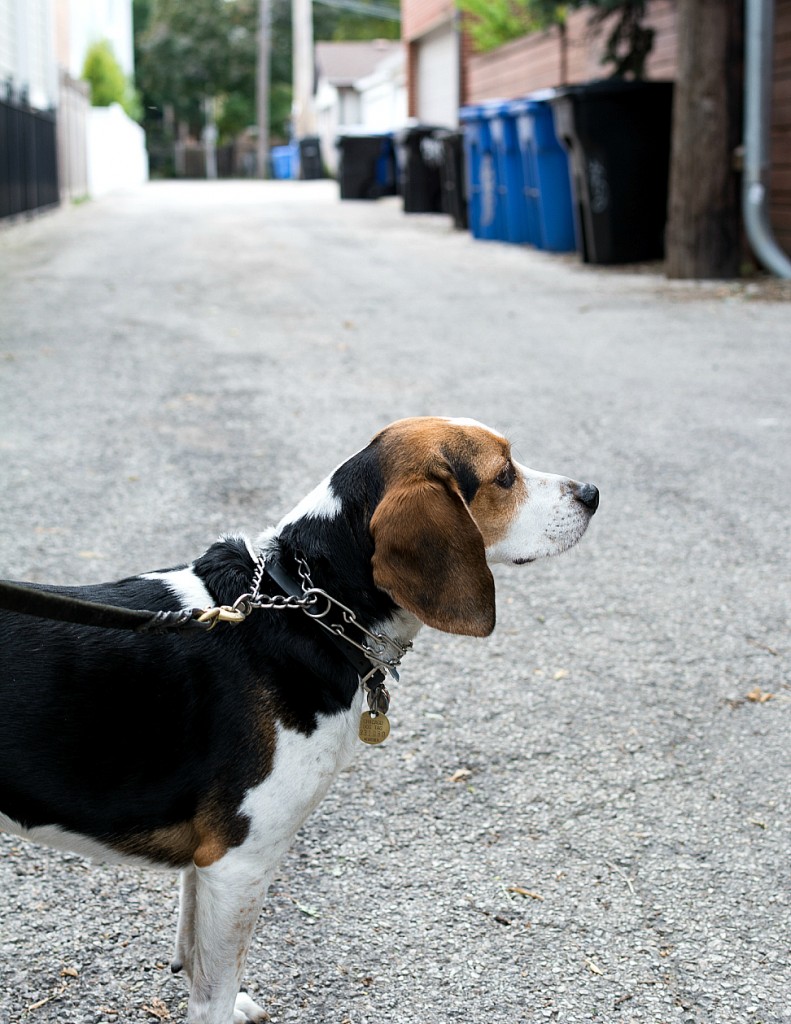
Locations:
column 429, row 556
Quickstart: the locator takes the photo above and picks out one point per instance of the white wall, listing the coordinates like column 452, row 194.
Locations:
column 383, row 96
column 117, row 157
column 327, row 107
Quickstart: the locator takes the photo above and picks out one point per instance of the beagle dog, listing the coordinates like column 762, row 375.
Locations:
column 205, row 752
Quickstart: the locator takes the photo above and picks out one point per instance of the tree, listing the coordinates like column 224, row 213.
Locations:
column 704, row 218
column 107, row 80
column 197, row 51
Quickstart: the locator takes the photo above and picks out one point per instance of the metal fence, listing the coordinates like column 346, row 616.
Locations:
column 28, row 158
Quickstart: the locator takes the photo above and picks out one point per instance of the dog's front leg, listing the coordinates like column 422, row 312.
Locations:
column 228, row 897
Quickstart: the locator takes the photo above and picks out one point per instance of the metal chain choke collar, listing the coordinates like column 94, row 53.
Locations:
column 383, row 651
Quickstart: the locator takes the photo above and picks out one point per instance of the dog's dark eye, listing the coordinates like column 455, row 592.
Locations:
column 506, row 477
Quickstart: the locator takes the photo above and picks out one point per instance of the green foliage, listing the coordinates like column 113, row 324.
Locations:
column 107, row 80
column 339, row 25
column 280, row 98
column 494, row 22
column 196, row 50
column 237, row 112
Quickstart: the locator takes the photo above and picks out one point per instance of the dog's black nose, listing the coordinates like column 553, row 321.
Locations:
column 588, row 495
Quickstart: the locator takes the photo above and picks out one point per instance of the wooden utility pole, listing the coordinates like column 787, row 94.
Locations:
column 704, row 220
column 262, row 86
column 302, row 23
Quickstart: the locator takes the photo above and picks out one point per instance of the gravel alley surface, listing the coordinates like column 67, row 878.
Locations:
column 585, row 817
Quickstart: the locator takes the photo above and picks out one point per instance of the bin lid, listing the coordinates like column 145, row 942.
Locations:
column 361, row 132
column 497, row 108
column 521, row 105
column 415, row 131
column 612, row 86
column 541, row 95
column 478, row 111
column 533, row 101
column 470, row 113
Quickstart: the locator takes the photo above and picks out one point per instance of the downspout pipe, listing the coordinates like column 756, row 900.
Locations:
column 759, row 28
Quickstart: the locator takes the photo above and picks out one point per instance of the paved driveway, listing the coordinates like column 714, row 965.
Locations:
column 615, row 847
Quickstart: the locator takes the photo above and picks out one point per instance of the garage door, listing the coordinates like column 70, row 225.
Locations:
column 438, row 77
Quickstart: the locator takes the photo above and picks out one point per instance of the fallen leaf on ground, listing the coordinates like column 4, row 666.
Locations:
column 459, row 775
column 525, row 892
column 50, row 998
column 757, row 695
column 69, row 972
column 157, row 1009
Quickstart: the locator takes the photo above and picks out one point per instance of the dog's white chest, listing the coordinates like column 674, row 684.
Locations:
column 304, row 768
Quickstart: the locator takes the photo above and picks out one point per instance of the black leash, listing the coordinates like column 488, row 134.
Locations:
column 43, row 604
column 24, row 599
column 374, row 725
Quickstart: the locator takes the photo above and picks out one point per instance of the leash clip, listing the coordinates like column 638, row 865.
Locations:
column 209, row 617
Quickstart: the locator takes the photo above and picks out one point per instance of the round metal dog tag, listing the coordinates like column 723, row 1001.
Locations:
column 374, row 728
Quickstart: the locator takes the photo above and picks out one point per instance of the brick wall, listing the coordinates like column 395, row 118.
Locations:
column 536, row 61
column 421, row 16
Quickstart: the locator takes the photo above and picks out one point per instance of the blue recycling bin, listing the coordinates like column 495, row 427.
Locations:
column 545, row 174
column 485, row 208
column 285, row 161
column 517, row 218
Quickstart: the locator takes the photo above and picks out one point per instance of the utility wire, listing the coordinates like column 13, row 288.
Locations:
column 356, row 6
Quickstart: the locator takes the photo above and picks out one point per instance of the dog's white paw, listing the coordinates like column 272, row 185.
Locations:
column 247, row 1012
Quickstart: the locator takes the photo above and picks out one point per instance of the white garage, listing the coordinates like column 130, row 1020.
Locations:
column 437, row 76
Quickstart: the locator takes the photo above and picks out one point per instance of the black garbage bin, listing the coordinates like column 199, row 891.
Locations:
column 366, row 165
column 617, row 134
column 418, row 156
column 310, row 162
column 451, row 173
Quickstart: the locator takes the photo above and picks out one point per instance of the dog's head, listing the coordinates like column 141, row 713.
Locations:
column 455, row 502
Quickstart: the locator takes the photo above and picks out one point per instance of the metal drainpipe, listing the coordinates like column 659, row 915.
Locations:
column 757, row 103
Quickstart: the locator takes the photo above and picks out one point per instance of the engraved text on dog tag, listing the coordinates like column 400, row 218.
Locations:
column 374, row 728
